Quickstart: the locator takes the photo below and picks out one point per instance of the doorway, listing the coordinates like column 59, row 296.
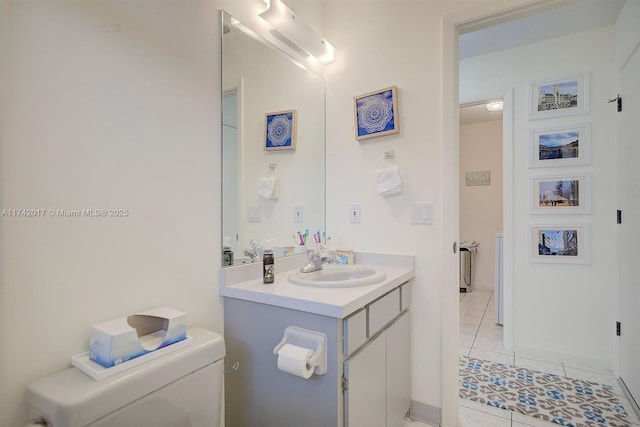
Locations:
column 480, row 223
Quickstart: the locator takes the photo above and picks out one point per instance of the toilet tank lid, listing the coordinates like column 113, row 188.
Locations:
column 72, row 398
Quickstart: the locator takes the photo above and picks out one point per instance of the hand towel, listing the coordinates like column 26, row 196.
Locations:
column 268, row 187
column 388, row 181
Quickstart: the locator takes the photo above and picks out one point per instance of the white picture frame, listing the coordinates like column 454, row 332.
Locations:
column 560, row 146
column 559, row 244
column 560, row 194
column 560, row 96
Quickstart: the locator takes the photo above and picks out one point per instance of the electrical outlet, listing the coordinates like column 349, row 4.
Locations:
column 355, row 214
column 298, row 214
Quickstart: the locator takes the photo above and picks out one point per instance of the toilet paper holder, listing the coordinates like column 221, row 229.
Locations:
column 312, row 340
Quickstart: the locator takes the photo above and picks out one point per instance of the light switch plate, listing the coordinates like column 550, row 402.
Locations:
column 422, row 213
column 355, row 213
column 298, row 213
column 255, row 214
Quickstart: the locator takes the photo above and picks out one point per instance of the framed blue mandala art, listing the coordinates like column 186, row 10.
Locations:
column 376, row 113
column 280, row 130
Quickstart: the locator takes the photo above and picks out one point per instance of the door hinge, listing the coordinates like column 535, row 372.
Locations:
column 618, row 216
column 618, row 100
column 618, row 328
column 345, row 384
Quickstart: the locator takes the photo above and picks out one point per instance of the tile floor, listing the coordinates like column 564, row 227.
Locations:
column 481, row 337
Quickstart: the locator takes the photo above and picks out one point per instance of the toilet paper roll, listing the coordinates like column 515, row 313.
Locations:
column 294, row 360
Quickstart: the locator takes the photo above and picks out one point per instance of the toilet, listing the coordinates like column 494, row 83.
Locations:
column 180, row 389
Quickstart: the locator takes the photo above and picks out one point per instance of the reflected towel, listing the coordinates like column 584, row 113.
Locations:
column 388, row 181
column 268, row 187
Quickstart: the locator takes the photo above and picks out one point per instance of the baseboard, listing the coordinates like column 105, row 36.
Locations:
column 425, row 413
column 554, row 356
column 629, row 396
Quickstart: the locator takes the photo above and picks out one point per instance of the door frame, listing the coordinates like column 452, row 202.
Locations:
column 467, row 20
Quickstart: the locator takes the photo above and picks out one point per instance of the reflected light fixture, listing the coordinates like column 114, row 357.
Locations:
column 495, row 106
column 297, row 34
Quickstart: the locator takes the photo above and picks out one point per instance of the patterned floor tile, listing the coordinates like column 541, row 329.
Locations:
column 543, row 396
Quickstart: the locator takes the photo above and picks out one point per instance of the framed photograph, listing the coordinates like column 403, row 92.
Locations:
column 559, row 244
column 559, row 146
column 280, row 130
column 376, row 113
column 560, row 194
column 562, row 96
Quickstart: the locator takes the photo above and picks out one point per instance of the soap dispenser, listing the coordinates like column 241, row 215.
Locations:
column 268, row 272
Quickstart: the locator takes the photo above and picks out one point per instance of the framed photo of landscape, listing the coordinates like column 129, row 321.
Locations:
column 565, row 244
column 559, row 146
column 561, row 96
column 560, row 194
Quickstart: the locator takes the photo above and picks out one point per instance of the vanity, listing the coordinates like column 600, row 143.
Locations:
column 367, row 379
column 361, row 311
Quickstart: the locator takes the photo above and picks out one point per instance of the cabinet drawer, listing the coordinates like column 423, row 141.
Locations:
column 383, row 311
column 354, row 330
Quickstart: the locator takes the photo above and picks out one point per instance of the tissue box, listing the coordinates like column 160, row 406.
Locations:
column 119, row 340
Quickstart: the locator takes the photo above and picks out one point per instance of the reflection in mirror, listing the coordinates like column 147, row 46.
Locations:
column 258, row 80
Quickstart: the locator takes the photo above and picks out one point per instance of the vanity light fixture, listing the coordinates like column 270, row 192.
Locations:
column 495, row 106
column 297, row 34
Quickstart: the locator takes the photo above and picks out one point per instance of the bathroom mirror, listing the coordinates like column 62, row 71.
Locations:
column 260, row 81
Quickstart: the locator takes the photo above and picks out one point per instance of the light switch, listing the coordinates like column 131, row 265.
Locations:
column 422, row 213
column 355, row 214
column 298, row 213
column 255, row 214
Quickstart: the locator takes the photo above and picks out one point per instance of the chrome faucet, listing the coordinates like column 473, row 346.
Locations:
column 255, row 253
column 316, row 258
column 251, row 254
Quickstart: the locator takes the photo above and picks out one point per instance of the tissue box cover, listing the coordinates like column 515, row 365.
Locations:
column 116, row 341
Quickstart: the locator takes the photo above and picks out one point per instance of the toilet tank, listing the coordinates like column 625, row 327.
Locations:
column 180, row 389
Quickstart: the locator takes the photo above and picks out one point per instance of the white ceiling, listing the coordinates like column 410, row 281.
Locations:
column 581, row 16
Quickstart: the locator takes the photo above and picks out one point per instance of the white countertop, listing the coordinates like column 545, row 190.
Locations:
column 245, row 282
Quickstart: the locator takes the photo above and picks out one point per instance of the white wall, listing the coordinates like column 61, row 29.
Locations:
column 559, row 310
column 481, row 206
column 379, row 44
column 106, row 104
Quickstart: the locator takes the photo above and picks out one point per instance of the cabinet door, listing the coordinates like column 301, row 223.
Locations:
column 398, row 371
column 365, row 397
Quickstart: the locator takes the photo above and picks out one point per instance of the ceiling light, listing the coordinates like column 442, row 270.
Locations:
column 292, row 29
column 495, row 106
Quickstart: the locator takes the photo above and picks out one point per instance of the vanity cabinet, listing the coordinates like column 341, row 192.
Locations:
column 367, row 378
column 377, row 381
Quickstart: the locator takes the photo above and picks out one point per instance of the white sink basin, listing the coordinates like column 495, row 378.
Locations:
column 339, row 276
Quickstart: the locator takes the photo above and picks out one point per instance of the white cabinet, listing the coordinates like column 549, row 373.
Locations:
column 365, row 396
column 377, row 378
column 398, row 371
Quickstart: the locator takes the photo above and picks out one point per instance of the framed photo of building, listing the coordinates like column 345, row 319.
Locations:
column 559, row 146
column 565, row 244
column 561, row 96
column 560, row 194
column 280, row 129
column 376, row 113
